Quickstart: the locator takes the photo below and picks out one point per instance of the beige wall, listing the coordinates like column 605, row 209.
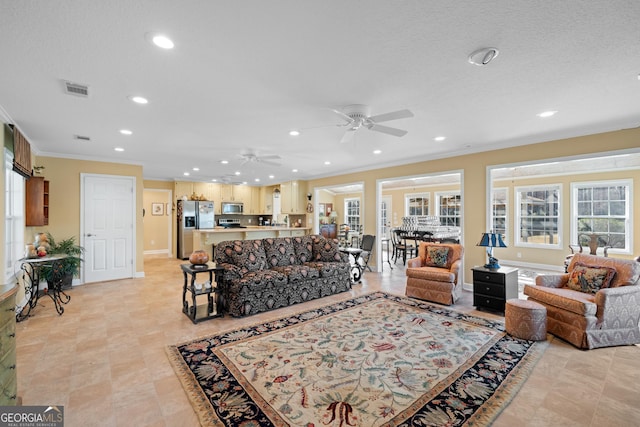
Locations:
column 474, row 183
column 156, row 227
column 64, row 197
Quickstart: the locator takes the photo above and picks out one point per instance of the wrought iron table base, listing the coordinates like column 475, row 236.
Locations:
column 32, row 269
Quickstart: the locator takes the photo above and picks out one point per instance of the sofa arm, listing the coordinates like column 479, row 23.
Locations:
column 231, row 271
column 618, row 306
column 414, row 262
column 552, row 280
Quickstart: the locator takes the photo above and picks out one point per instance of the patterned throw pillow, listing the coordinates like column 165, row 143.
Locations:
column 437, row 256
column 590, row 279
column 326, row 250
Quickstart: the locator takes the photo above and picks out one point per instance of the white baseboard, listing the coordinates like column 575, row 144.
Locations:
column 139, row 274
column 156, row 252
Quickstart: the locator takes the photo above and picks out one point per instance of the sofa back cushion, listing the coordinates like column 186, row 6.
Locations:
column 223, row 251
column 303, row 246
column 453, row 251
column 326, row 250
column 280, row 252
column 627, row 270
column 250, row 255
column 590, row 279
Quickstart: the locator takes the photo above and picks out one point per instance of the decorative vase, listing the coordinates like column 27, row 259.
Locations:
column 199, row 257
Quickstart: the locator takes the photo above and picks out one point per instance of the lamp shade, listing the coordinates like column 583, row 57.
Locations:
column 492, row 240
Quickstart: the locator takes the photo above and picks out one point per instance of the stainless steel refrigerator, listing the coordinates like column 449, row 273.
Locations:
column 192, row 216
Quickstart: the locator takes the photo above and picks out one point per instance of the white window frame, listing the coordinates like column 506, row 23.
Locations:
column 14, row 218
column 458, row 218
column 628, row 222
column 517, row 237
column 493, row 215
column 353, row 225
column 407, row 201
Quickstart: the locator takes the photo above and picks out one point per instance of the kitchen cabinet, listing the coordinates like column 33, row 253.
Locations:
column 234, row 193
column 252, row 206
column 8, row 378
column 293, row 198
column 183, row 188
column 492, row 288
column 36, row 201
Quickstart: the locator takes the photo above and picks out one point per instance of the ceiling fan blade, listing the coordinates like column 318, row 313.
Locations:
column 348, row 119
column 268, row 162
column 387, row 130
column 395, row 115
column 348, row 136
column 269, row 157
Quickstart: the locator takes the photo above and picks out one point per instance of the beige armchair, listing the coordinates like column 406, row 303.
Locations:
column 584, row 315
column 434, row 274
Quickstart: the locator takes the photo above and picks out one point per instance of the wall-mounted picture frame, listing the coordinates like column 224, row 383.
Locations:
column 157, row 208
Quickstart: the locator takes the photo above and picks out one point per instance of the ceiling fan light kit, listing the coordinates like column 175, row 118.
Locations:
column 358, row 116
column 483, row 56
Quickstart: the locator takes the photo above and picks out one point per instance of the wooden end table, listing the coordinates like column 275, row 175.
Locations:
column 214, row 306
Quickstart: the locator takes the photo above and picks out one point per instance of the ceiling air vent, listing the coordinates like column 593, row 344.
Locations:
column 82, row 138
column 76, row 89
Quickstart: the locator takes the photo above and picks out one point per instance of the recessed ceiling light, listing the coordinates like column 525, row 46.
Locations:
column 257, row 180
column 162, row 41
column 139, row 99
column 244, row 182
column 377, row 151
column 224, row 162
column 439, row 138
column 119, row 149
column 125, row 132
column 483, row 56
column 196, row 169
column 271, row 176
column 214, row 180
column 327, row 162
column 294, row 132
column 186, row 174
column 546, row 114
column 237, row 173
column 294, row 170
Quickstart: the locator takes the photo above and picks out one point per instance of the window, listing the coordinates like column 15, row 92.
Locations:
column 499, row 207
column 14, row 218
column 352, row 213
column 448, row 206
column 417, row 204
column 603, row 208
column 537, row 216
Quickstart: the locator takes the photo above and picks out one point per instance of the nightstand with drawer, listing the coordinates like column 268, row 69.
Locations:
column 492, row 288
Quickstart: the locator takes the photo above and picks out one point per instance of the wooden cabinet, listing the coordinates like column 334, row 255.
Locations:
column 182, row 188
column 293, row 197
column 252, row 204
column 492, row 288
column 8, row 378
column 329, row 231
column 37, row 201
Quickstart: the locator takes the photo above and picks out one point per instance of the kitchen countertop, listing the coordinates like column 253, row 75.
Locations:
column 249, row 228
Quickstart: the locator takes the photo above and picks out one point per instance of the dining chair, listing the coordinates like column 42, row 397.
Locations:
column 366, row 244
column 400, row 245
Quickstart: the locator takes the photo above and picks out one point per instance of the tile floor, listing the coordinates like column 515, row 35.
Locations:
column 104, row 359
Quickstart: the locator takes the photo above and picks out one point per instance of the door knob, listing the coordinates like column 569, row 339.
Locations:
column 89, row 235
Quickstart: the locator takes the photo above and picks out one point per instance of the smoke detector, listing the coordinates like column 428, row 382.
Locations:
column 483, row 56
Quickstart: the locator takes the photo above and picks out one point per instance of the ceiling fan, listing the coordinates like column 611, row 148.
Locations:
column 358, row 116
column 251, row 157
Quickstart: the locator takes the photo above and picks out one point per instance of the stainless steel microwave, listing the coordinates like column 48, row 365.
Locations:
column 232, row 208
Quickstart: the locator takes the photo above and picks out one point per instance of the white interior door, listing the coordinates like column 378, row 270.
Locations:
column 108, row 227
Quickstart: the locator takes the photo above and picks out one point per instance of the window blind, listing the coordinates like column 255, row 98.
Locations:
column 21, row 154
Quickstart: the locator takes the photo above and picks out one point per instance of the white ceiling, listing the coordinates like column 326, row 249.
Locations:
column 244, row 73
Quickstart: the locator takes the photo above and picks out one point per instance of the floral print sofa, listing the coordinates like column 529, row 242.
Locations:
column 596, row 304
column 265, row 274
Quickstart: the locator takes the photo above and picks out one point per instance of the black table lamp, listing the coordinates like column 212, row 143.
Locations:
column 490, row 241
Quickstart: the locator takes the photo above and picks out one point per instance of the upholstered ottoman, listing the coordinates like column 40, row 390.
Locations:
column 525, row 319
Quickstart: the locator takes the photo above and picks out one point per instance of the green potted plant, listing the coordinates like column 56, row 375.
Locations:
column 68, row 266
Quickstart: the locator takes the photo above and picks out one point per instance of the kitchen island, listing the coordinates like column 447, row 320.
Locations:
column 205, row 239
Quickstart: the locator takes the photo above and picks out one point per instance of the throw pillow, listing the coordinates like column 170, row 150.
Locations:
column 437, row 256
column 589, row 279
column 326, row 250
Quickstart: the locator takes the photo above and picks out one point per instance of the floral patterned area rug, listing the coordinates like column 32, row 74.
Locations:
column 375, row 360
